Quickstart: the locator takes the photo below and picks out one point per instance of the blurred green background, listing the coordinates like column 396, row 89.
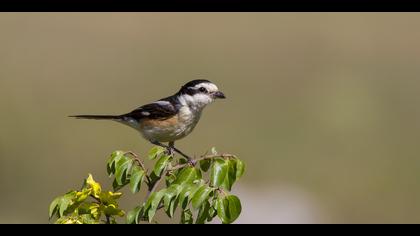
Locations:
column 323, row 107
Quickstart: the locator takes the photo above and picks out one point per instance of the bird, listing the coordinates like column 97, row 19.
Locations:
column 171, row 118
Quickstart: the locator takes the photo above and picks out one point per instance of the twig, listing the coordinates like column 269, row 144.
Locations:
column 137, row 159
column 224, row 155
column 220, row 190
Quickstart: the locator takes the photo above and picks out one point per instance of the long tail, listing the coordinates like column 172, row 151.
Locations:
column 97, row 117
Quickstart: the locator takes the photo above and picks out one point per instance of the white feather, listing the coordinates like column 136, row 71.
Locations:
column 162, row 103
column 209, row 86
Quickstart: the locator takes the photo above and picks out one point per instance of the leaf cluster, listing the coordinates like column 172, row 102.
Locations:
column 90, row 205
column 198, row 191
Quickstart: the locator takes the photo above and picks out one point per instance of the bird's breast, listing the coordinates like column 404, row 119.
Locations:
column 170, row 129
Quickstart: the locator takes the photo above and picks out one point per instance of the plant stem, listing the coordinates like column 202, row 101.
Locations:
column 137, row 159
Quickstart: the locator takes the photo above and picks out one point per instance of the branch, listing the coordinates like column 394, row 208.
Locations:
column 137, row 159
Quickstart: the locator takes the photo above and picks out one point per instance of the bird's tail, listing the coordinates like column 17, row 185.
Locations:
column 97, row 117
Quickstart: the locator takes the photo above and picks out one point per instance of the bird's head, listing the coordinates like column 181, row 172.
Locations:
column 199, row 93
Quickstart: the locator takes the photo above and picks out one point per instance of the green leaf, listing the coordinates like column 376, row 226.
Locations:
column 67, row 220
column 65, row 202
column 152, row 177
column 170, row 179
column 182, row 161
column 213, row 151
column 200, row 196
column 172, row 207
column 211, row 213
column 186, row 175
column 132, row 216
column 112, row 210
column 170, row 195
column 228, row 208
column 161, row 164
column 222, row 206
column 87, row 219
column 116, row 186
column 153, row 203
column 187, row 217
column 203, row 213
column 94, row 209
column 84, row 208
column 205, row 164
column 137, row 177
column 82, row 195
column 199, row 175
column 54, row 206
column 155, row 152
column 115, row 157
column 109, row 197
column 188, row 190
column 218, row 172
column 240, row 168
column 235, row 207
column 122, row 169
column 231, row 175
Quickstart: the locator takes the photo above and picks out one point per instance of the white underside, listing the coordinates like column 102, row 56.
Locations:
column 187, row 120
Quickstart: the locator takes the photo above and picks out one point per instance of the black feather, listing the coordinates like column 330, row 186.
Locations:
column 189, row 89
column 195, row 82
column 155, row 111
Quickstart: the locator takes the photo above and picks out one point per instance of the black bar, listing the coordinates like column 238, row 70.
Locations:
column 209, row 6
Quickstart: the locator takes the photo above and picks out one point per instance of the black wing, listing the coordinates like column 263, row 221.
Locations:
column 162, row 109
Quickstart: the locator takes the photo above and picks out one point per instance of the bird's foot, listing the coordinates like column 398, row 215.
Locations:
column 170, row 151
column 191, row 161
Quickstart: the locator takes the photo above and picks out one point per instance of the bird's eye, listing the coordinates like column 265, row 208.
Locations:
column 202, row 89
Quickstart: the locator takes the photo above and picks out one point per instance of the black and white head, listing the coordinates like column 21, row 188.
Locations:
column 199, row 93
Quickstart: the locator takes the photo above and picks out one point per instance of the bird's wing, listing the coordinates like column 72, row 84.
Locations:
column 161, row 110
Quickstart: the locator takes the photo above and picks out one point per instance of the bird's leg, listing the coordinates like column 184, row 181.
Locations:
column 189, row 159
column 171, row 148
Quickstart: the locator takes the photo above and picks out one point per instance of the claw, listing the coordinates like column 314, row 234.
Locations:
column 192, row 161
column 170, row 151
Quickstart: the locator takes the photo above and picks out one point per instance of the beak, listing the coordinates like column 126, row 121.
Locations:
column 219, row 94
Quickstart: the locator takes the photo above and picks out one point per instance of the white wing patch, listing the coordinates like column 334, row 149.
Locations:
column 162, row 103
column 145, row 113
